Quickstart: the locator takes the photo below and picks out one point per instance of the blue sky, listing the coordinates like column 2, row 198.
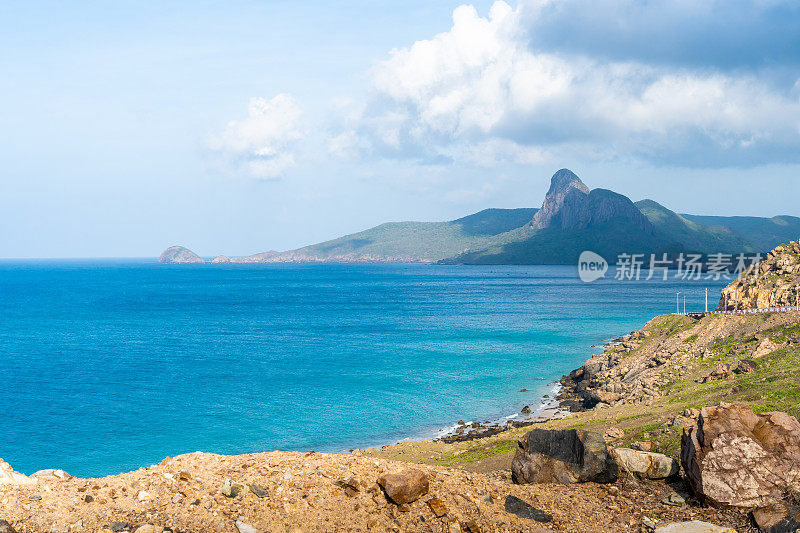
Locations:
column 237, row 127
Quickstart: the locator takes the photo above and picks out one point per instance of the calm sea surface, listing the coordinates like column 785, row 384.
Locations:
column 112, row 365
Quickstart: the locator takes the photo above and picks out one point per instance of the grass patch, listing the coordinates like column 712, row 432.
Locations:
column 478, row 452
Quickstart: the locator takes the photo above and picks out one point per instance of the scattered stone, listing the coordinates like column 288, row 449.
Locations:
column 231, row 489
column 259, row 491
column 642, row 445
column 647, row 465
column 562, row 456
column 695, row 526
column 777, row 518
column 745, row 366
column 438, row 507
column 143, row 496
column 6, row 527
column 691, row 413
column 675, row 500
column 245, row 528
column 118, row 526
column 526, row 410
column 735, row 457
column 88, row 498
column 523, row 509
column 184, row 476
column 405, row 487
column 148, row 528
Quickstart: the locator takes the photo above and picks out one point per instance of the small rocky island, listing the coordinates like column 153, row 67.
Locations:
column 179, row 254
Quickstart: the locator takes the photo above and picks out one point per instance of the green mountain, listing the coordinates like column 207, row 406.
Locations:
column 766, row 233
column 684, row 234
column 572, row 219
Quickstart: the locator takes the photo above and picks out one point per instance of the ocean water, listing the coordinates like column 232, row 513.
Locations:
column 111, row 365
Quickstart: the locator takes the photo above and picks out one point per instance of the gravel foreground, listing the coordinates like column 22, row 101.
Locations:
column 305, row 492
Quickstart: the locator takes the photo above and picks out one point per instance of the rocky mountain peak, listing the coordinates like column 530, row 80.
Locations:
column 562, row 184
column 564, row 181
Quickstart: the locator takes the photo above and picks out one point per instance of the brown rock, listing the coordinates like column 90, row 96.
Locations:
column 5, row 527
column 405, row 487
column 745, row 366
column 777, row 518
column 562, row 456
column 438, row 507
column 471, row 526
column 735, row 457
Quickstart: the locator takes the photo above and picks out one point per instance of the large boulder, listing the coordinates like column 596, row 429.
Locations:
column 563, row 456
column 405, row 487
column 9, row 477
column 735, row 457
column 644, row 464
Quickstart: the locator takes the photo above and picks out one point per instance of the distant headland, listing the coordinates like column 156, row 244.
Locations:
column 572, row 219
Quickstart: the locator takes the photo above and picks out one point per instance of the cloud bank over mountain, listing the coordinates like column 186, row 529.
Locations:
column 554, row 78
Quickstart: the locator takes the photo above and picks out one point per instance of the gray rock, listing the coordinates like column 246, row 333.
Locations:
column 562, row 456
column 777, row 518
column 675, row 500
column 523, row 509
column 118, row 526
column 647, row 465
column 259, row 491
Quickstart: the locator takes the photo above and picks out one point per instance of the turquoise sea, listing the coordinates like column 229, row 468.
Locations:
column 112, row 365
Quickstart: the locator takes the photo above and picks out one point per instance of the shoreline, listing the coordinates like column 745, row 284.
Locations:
column 556, row 404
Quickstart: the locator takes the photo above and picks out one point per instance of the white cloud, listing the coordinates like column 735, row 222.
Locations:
column 263, row 142
column 471, row 195
column 480, row 93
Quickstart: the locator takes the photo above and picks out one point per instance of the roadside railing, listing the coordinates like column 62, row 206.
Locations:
column 745, row 311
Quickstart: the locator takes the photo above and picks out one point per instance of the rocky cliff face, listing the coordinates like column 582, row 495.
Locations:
column 774, row 282
column 570, row 205
column 179, row 254
column 562, row 184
